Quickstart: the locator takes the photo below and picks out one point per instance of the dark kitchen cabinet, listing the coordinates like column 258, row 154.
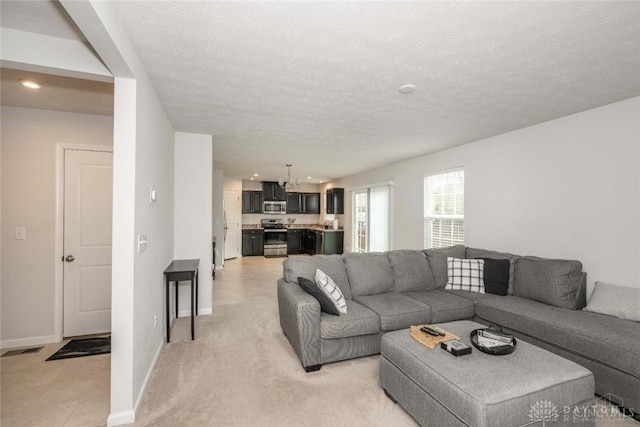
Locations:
column 303, row 203
column 333, row 242
column 311, row 203
column 252, row 242
column 335, row 201
column 294, row 202
column 271, row 191
column 294, row 242
column 318, row 243
column 309, row 238
column 252, row 201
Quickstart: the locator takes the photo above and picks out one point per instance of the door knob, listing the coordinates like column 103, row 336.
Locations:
column 69, row 258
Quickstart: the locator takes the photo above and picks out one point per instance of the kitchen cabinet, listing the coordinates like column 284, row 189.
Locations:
column 318, row 243
column 309, row 239
column 252, row 242
column 335, row 201
column 294, row 242
column 333, row 242
column 311, row 203
column 271, row 191
column 303, row 203
column 294, row 203
column 252, row 201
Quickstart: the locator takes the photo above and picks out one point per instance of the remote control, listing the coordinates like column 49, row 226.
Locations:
column 432, row 332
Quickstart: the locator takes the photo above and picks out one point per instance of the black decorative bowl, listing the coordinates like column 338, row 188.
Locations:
column 499, row 350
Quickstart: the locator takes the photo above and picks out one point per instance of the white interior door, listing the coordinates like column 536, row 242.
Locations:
column 233, row 224
column 88, row 199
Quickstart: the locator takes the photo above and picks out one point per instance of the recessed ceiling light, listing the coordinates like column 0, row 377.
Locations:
column 251, row 179
column 320, row 182
column 407, row 88
column 255, row 174
column 30, row 84
column 308, row 177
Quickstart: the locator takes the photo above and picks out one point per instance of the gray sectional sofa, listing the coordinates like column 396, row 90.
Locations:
column 393, row 290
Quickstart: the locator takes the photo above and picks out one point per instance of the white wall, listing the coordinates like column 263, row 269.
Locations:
column 567, row 188
column 28, row 140
column 193, row 212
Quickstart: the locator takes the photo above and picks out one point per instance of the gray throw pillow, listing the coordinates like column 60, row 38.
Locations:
column 614, row 300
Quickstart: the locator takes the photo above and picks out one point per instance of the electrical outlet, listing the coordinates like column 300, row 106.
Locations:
column 155, row 320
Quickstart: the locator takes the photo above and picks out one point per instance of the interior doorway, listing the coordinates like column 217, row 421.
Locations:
column 232, row 224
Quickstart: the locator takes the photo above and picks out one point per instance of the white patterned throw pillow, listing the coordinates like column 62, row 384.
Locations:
column 465, row 275
column 330, row 289
column 614, row 300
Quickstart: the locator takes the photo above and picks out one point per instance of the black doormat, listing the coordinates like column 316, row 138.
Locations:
column 83, row 347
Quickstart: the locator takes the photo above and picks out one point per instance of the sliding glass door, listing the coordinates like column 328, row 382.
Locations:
column 360, row 220
column 371, row 217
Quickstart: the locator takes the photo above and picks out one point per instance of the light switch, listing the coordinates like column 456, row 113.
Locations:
column 19, row 232
column 142, row 242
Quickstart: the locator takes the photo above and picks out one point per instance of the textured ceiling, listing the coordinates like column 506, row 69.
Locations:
column 316, row 83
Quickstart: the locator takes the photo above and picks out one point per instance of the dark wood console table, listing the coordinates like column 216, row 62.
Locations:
column 182, row 270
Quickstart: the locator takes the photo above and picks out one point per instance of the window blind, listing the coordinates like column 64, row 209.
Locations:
column 444, row 209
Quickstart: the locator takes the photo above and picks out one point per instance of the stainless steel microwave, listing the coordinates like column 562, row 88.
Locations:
column 274, row 208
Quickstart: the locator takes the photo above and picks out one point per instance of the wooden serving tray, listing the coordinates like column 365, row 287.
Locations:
column 430, row 341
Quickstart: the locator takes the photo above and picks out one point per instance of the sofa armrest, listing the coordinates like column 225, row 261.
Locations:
column 300, row 321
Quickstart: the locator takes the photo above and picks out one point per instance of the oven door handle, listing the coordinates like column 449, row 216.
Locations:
column 275, row 231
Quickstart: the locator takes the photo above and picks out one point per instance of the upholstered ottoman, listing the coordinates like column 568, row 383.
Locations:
column 439, row 389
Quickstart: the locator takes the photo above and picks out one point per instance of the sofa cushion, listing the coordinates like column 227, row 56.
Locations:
column 485, row 253
column 551, row 281
column 326, row 304
column 396, row 311
column 471, row 296
column 496, row 276
column 306, row 267
column 465, row 274
column 438, row 260
column 359, row 320
column 613, row 300
column 411, row 270
column 444, row 306
column 369, row 274
column 604, row 339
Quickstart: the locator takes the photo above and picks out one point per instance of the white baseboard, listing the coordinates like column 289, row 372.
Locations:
column 27, row 342
column 201, row 312
column 143, row 389
column 129, row 417
column 120, row 418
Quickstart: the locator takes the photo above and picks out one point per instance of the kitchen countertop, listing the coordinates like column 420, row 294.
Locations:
column 316, row 227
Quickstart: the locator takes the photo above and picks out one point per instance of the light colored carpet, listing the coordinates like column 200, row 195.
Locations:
column 241, row 370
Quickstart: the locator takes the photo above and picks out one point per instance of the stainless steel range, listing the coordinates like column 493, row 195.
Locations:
column 275, row 237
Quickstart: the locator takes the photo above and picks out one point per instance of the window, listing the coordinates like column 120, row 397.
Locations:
column 371, row 218
column 444, row 209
